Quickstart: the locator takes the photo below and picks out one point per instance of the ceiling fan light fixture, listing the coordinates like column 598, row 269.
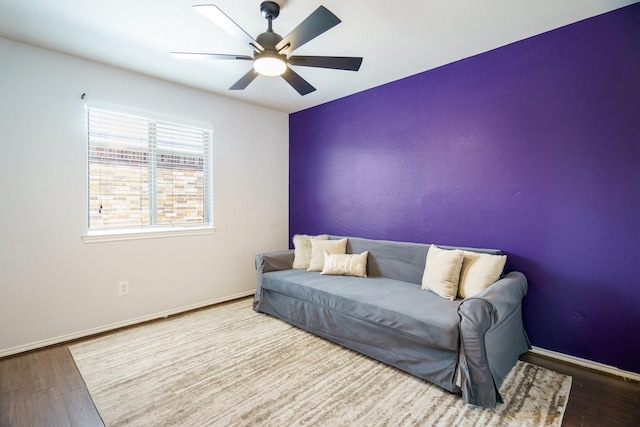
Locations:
column 269, row 64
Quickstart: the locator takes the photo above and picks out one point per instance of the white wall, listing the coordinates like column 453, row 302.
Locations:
column 54, row 286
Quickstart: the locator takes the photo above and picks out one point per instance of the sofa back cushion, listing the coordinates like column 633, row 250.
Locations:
column 397, row 260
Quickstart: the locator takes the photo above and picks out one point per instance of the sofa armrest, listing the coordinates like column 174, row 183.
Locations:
column 505, row 295
column 274, row 261
column 492, row 338
column 266, row 262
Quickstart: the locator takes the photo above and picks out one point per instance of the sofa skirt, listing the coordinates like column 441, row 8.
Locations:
column 436, row 365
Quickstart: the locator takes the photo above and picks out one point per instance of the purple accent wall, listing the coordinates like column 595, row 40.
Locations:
column 533, row 148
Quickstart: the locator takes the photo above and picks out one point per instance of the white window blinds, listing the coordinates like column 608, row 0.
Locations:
column 145, row 173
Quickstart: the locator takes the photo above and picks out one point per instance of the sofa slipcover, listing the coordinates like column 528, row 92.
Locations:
column 465, row 346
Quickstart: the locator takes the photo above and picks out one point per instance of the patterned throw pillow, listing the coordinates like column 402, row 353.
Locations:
column 345, row 265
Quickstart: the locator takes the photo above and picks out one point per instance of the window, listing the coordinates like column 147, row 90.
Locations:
column 147, row 175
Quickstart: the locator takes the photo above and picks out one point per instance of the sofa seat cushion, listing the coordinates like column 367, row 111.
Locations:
column 402, row 306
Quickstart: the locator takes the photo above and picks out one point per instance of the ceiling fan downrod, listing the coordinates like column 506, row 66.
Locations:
column 270, row 10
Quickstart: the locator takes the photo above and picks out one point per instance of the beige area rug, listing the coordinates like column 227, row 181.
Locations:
column 230, row 366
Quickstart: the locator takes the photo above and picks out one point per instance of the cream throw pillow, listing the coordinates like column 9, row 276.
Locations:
column 302, row 249
column 479, row 271
column 442, row 271
column 319, row 247
column 345, row 265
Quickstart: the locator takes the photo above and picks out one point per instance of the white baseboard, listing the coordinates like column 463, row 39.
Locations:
column 586, row 363
column 106, row 328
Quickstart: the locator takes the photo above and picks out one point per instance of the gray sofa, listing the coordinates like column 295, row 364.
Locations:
column 465, row 346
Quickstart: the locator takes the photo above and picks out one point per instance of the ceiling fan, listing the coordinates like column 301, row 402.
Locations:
column 270, row 50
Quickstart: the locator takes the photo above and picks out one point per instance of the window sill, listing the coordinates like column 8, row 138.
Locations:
column 115, row 236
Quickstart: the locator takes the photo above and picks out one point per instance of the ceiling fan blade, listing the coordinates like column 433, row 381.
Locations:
column 298, row 83
column 245, row 80
column 350, row 63
column 315, row 24
column 219, row 18
column 193, row 55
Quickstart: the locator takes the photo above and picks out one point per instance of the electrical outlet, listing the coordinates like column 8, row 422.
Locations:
column 123, row 288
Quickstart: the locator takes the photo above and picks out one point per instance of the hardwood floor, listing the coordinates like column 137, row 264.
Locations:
column 44, row 388
column 596, row 398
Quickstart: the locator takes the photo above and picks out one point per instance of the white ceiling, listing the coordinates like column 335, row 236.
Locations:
column 396, row 39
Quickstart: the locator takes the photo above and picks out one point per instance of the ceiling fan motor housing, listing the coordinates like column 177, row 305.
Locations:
column 268, row 40
column 269, row 62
